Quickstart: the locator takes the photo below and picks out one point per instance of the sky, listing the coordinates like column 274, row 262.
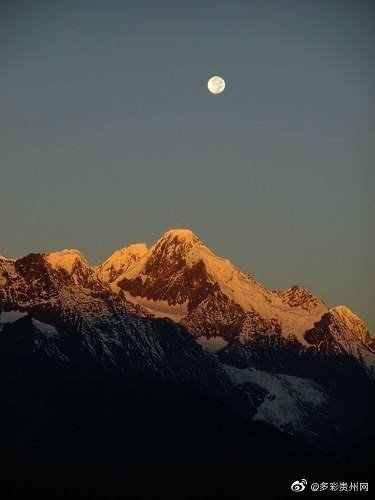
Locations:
column 109, row 136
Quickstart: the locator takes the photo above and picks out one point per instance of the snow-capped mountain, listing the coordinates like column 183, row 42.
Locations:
column 121, row 262
column 212, row 296
column 96, row 325
column 339, row 321
column 140, row 313
column 181, row 278
column 340, row 331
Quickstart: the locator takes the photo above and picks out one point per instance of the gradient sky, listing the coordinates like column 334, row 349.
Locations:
column 109, row 136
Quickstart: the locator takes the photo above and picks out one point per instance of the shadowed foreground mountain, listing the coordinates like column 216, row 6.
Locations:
column 160, row 352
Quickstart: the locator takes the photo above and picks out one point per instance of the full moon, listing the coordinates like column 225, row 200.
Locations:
column 216, row 84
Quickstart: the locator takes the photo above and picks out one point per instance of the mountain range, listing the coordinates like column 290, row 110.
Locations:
column 180, row 278
column 194, row 336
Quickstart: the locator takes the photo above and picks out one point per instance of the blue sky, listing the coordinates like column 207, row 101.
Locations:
column 109, row 136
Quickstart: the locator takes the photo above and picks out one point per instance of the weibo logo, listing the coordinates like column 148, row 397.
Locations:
column 298, row 486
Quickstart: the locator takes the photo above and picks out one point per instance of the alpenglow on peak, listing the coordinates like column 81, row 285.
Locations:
column 181, row 234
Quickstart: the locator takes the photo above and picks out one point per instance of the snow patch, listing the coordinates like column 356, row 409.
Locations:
column 213, row 344
column 290, row 400
column 46, row 329
column 160, row 308
column 66, row 259
column 11, row 316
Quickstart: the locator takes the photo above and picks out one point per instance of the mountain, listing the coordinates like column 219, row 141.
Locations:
column 212, row 297
column 181, row 278
column 121, row 262
column 95, row 326
column 178, row 332
column 87, row 377
column 340, row 331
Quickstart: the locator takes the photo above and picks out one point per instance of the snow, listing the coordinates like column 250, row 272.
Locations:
column 184, row 234
column 120, row 262
column 2, row 257
column 242, row 288
column 213, row 344
column 350, row 321
column 160, row 308
column 290, row 400
column 11, row 316
column 252, row 296
column 65, row 259
column 351, row 336
column 47, row 330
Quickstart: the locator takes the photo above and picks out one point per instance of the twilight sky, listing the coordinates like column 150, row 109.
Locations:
column 109, row 136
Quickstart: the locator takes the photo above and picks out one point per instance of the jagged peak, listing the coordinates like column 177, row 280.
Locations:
column 183, row 234
column 343, row 315
column 66, row 258
column 341, row 309
column 121, row 261
column 177, row 238
column 138, row 249
column 343, row 312
column 297, row 296
column 182, row 248
column 294, row 289
column 180, row 244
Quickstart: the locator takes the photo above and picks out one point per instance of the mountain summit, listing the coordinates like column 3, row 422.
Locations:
column 179, row 277
column 120, row 262
column 213, row 296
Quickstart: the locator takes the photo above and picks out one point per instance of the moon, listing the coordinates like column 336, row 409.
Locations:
column 216, row 84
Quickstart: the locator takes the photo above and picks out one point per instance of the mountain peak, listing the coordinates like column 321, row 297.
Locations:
column 350, row 321
column 297, row 296
column 181, row 234
column 121, row 261
column 175, row 249
column 137, row 248
column 66, row 259
column 343, row 311
column 67, row 252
